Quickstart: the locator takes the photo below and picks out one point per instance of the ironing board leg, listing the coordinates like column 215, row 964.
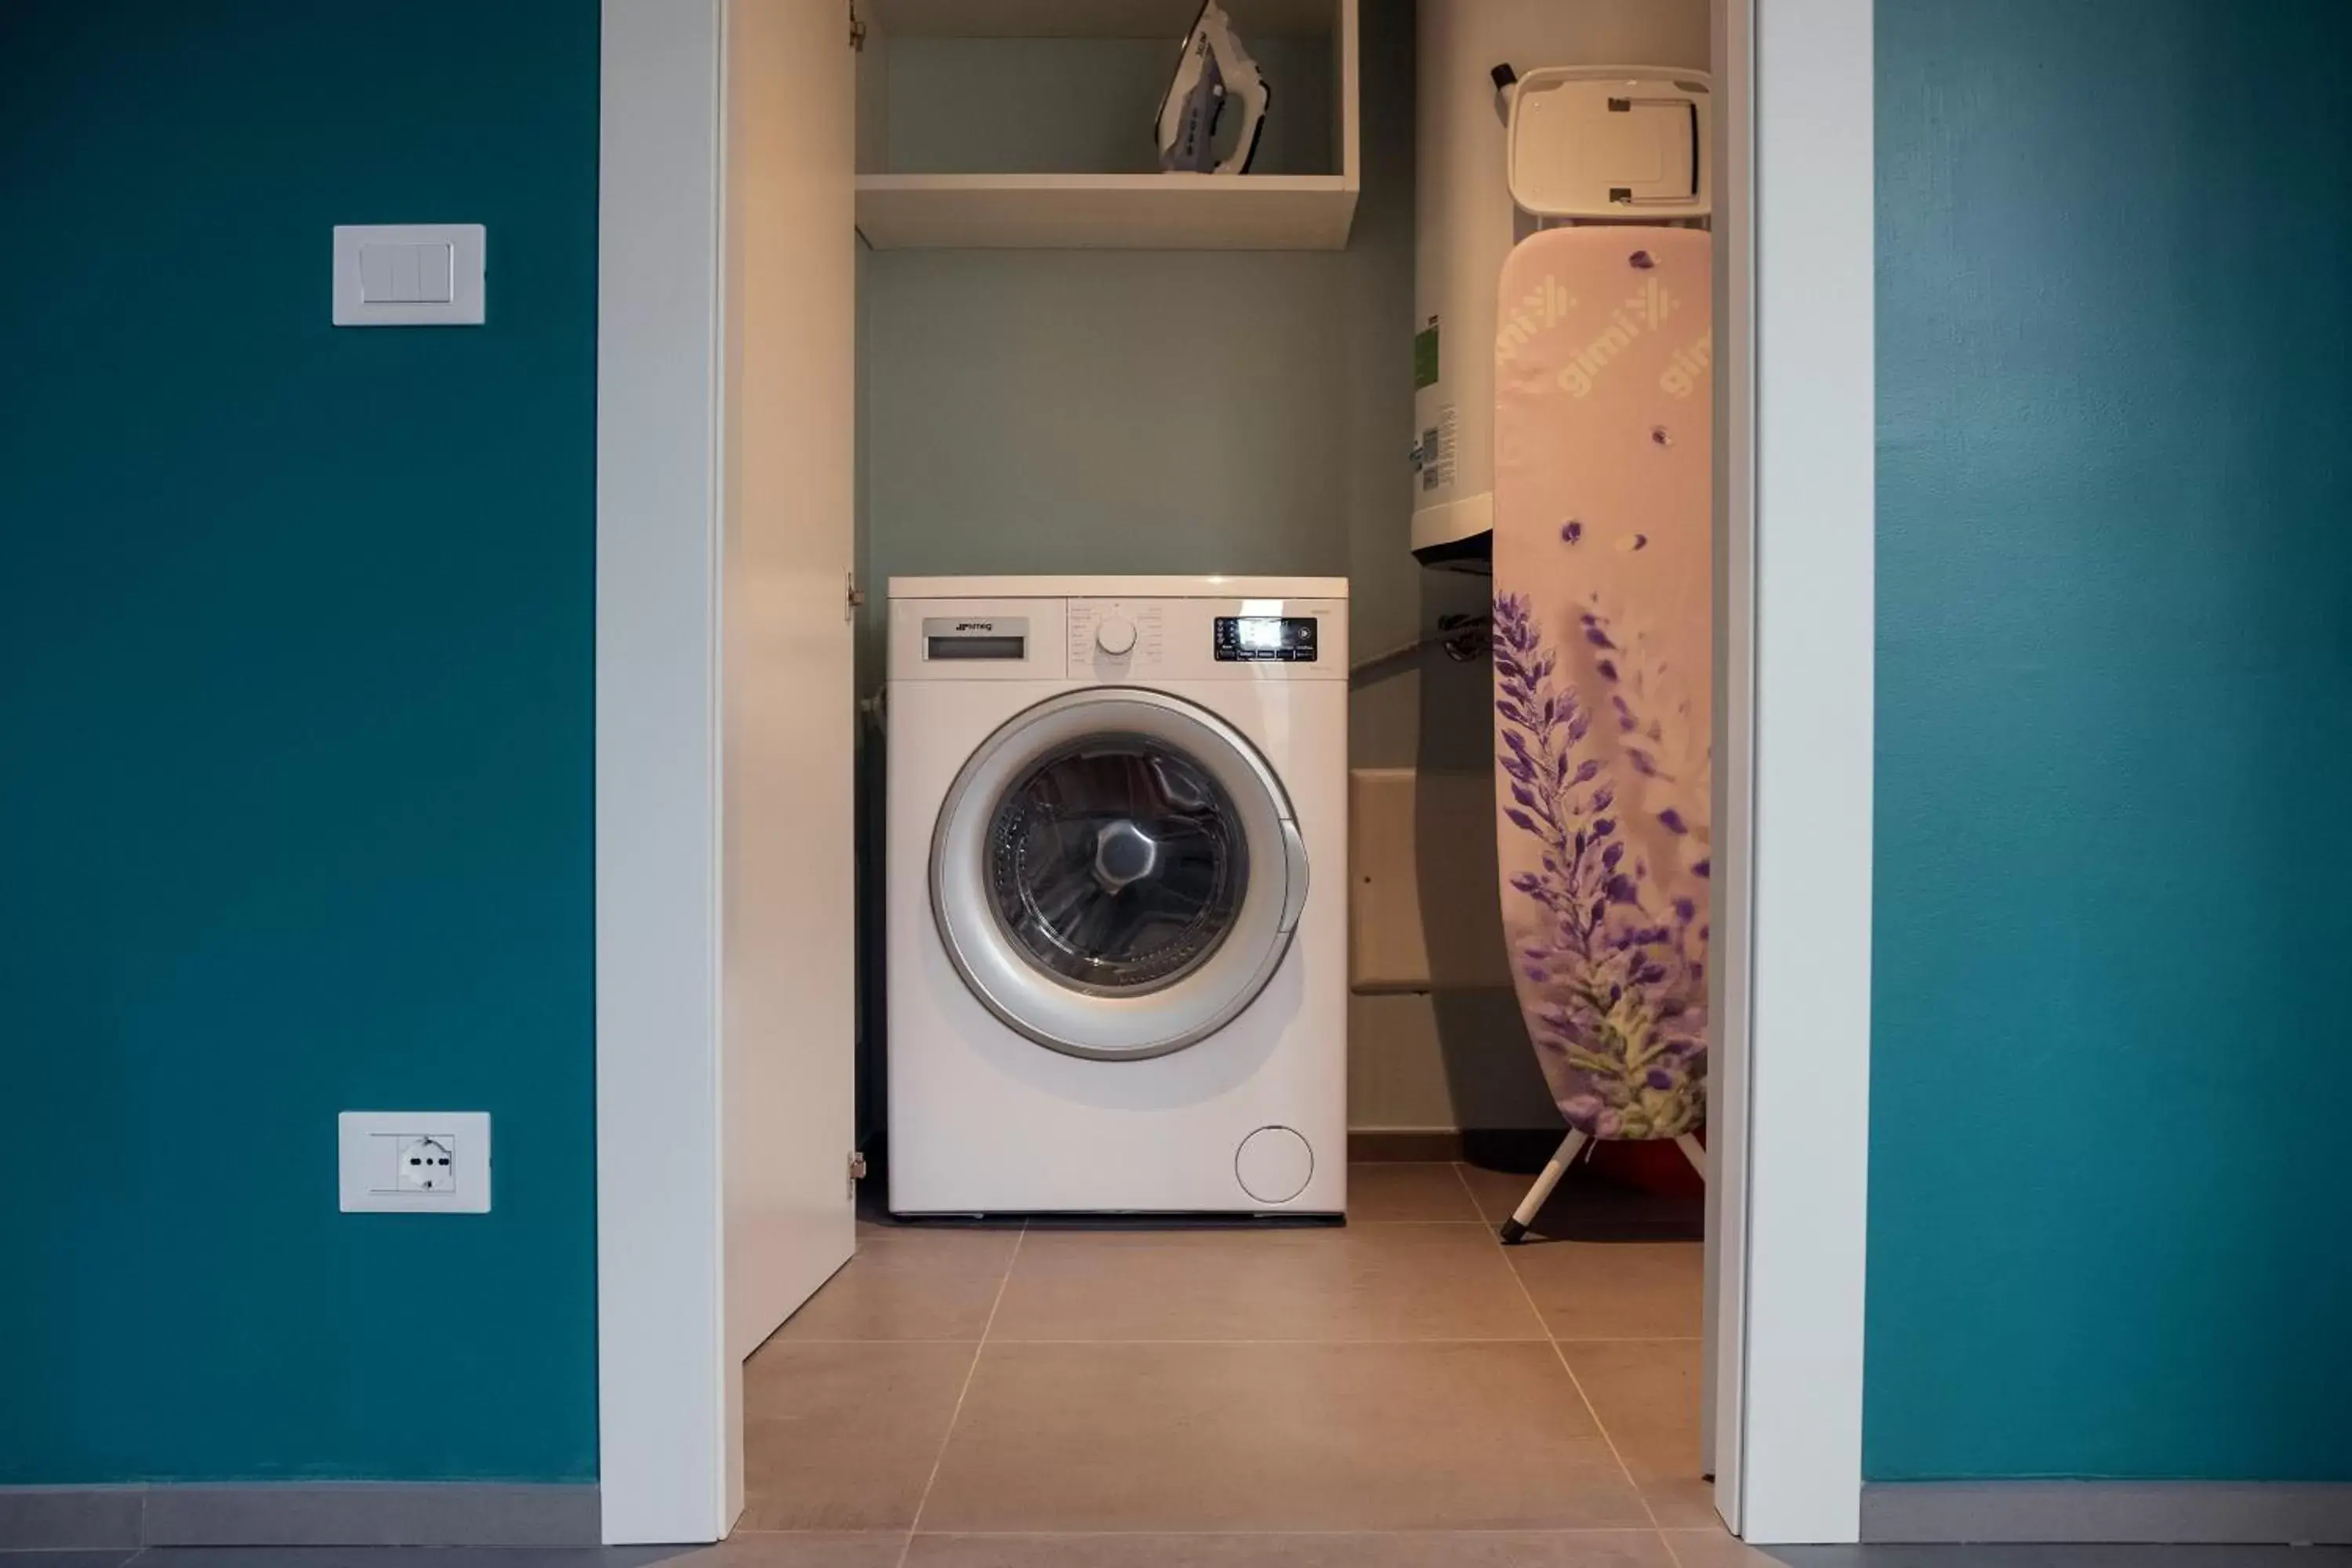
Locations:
column 1695, row 1152
column 1556, row 1166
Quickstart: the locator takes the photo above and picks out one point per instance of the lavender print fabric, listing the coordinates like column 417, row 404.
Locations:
column 1602, row 621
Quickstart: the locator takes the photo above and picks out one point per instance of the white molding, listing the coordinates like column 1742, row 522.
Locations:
column 1793, row 1095
column 663, row 1424
column 1731, row 912
column 1807, row 449
column 1106, row 212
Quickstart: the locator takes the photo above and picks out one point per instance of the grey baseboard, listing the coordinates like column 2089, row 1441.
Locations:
column 63, row 1519
column 1496, row 1148
column 1407, row 1144
column 2134, row 1512
column 300, row 1513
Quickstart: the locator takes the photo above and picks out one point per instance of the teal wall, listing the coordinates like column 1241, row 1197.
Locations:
column 2108, row 1234
column 296, row 681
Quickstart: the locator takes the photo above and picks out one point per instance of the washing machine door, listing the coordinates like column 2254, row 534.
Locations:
column 1117, row 873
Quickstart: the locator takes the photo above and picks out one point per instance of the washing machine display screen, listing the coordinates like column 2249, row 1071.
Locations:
column 1290, row 638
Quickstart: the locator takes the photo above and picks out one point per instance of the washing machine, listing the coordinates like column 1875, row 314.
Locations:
column 1116, row 895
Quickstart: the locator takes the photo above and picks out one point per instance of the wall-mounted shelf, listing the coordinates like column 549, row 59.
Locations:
column 979, row 96
column 1086, row 19
column 1105, row 212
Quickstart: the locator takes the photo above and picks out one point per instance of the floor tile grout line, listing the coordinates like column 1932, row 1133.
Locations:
column 1471, row 1193
column 1585, row 1399
column 1626, row 1338
column 1544, row 1336
column 1149, row 1234
column 1438, row 1533
column 886, row 1340
column 1511, row 1268
column 1408, row 1533
column 1600, row 1426
column 1536, row 1339
column 971, row 1373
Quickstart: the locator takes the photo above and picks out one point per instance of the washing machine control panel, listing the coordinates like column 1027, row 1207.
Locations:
column 1114, row 637
column 1143, row 641
column 1282, row 639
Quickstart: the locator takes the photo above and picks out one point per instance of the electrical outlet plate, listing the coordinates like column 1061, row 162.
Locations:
column 414, row 1162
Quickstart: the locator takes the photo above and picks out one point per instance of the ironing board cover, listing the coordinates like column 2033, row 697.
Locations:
column 1603, row 662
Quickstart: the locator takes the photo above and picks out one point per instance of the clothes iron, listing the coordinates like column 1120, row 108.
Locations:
column 1214, row 69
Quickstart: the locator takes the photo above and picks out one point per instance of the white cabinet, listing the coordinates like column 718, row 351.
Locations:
column 1028, row 124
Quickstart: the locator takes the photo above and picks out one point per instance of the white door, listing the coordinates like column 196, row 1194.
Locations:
column 725, row 1035
column 788, row 708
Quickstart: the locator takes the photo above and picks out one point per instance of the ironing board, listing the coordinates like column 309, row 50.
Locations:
column 1603, row 663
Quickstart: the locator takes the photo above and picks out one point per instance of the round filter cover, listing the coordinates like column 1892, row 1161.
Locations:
column 1273, row 1164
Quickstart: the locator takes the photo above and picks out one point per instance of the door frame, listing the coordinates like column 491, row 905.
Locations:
column 1796, row 633
column 665, row 1425
column 1795, row 436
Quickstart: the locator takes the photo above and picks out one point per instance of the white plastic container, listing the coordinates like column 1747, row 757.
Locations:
column 1611, row 143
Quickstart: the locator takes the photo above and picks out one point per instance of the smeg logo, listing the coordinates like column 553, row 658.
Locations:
column 975, row 626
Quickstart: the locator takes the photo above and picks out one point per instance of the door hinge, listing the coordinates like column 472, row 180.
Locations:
column 852, row 598
column 856, row 1170
column 857, row 29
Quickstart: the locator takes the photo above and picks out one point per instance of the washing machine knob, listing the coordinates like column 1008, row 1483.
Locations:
column 1114, row 635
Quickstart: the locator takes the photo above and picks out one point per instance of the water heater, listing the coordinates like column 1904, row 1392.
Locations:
column 1594, row 141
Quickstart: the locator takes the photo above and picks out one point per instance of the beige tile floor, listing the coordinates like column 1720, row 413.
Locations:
column 1398, row 1393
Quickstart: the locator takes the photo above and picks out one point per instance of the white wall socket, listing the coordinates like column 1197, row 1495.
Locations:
column 425, row 1165
column 414, row 1162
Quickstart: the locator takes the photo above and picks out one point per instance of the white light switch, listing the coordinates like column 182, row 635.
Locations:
column 408, row 275
column 414, row 1162
column 405, row 274
column 434, row 267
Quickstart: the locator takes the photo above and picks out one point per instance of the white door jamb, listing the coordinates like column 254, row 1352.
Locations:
column 1796, row 433
column 662, row 1420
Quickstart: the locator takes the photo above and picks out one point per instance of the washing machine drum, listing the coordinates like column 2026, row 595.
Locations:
column 1117, row 873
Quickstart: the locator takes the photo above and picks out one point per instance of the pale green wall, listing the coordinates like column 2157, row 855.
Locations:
column 1135, row 411
column 997, row 106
